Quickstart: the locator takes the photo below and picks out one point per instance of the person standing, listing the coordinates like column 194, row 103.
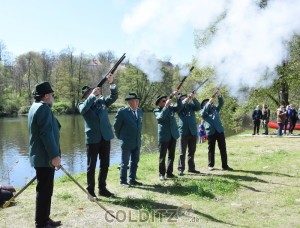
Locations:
column 265, row 119
column 188, row 132
column 256, row 117
column 214, row 130
column 98, row 134
column 201, row 132
column 44, row 150
column 281, row 118
column 128, row 128
column 293, row 117
column 167, row 133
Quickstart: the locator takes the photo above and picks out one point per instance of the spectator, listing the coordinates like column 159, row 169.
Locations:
column 256, row 117
column 265, row 119
column 281, row 117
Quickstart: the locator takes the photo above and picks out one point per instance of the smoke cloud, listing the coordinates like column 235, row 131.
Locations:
column 248, row 42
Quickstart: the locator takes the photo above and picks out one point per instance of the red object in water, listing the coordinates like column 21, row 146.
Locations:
column 275, row 125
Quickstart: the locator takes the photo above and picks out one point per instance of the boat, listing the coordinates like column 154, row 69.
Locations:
column 275, row 125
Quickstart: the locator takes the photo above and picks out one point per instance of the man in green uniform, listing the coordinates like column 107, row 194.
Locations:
column 44, row 150
column 128, row 128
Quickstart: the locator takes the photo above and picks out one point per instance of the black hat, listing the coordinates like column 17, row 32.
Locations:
column 42, row 89
column 85, row 89
column 131, row 96
column 182, row 95
column 159, row 98
column 203, row 102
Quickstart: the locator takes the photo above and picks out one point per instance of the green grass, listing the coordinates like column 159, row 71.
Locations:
column 262, row 191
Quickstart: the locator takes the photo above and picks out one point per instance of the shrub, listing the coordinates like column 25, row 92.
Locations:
column 60, row 108
column 24, row 110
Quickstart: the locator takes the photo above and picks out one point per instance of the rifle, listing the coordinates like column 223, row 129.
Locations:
column 181, row 82
column 199, row 86
column 111, row 71
column 215, row 94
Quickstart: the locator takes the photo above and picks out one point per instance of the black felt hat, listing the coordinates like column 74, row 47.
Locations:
column 203, row 102
column 42, row 89
column 182, row 95
column 85, row 89
column 159, row 98
column 131, row 96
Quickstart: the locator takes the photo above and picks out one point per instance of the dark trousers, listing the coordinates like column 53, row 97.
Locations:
column 44, row 190
column 101, row 149
column 190, row 142
column 163, row 148
column 220, row 138
column 292, row 126
column 256, row 126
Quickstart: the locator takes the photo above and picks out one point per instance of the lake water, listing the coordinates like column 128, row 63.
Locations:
column 15, row 168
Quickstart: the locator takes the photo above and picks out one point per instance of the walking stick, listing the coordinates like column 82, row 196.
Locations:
column 86, row 192
column 7, row 203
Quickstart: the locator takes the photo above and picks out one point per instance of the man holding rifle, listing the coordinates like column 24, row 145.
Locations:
column 98, row 133
column 214, row 130
column 44, row 149
column 188, row 132
column 167, row 133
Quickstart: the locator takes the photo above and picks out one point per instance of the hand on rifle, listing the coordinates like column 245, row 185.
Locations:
column 168, row 102
column 110, row 78
column 96, row 91
column 56, row 162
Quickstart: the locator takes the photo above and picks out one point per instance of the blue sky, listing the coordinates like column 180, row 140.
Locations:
column 90, row 26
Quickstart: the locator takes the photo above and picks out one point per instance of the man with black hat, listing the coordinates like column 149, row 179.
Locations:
column 167, row 133
column 188, row 132
column 128, row 128
column 44, row 150
column 214, row 130
column 98, row 134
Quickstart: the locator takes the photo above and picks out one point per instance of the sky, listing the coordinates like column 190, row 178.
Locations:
column 248, row 43
column 87, row 26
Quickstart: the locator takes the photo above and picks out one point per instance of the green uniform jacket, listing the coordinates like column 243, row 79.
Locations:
column 166, row 121
column 43, row 135
column 187, row 120
column 128, row 129
column 95, row 115
column 210, row 114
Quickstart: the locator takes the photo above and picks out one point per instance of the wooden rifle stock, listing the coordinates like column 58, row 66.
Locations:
column 111, row 71
column 181, row 82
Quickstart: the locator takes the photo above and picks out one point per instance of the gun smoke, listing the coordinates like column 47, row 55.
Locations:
column 246, row 44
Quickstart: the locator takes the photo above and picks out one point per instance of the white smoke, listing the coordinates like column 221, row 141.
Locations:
column 248, row 42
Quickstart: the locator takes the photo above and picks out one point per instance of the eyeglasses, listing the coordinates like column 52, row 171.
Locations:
column 163, row 101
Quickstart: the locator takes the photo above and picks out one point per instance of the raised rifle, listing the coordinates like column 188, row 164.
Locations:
column 199, row 86
column 181, row 82
column 111, row 71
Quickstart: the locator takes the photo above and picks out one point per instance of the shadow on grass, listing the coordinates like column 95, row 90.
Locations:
column 264, row 173
column 161, row 211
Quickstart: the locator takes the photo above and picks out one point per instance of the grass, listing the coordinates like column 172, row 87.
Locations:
column 262, row 191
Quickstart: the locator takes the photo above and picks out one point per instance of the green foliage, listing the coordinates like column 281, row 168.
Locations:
column 24, row 110
column 61, row 108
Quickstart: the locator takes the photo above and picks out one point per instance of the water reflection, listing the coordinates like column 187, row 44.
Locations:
column 14, row 162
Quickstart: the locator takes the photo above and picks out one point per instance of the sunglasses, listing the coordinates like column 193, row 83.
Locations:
column 163, row 101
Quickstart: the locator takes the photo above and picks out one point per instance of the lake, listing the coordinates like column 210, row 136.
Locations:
column 15, row 168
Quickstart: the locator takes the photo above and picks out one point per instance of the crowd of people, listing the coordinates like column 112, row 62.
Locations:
column 286, row 119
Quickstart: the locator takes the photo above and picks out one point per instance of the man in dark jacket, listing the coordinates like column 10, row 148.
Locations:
column 214, row 130
column 167, row 133
column 265, row 118
column 98, row 133
column 44, row 149
column 188, row 132
column 128, row 128
column 256, row 117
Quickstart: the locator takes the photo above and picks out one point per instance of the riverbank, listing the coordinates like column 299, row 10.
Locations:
column 262, row 191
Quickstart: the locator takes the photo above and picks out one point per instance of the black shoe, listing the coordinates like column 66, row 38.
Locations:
column 134, row 182
column 227, row 168
column 125, row 184
column 171, row 175
column 193, row 171
column 104, row 192
column 92, row 193
column 180, row 173
column 253, row 134
column 53, row 223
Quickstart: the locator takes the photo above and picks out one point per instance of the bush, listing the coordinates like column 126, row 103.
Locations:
column 11, row 108
column 61, row 108
column 23, row 110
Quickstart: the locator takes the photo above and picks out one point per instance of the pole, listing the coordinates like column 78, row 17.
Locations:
column 82, row 188
column 7, row 203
